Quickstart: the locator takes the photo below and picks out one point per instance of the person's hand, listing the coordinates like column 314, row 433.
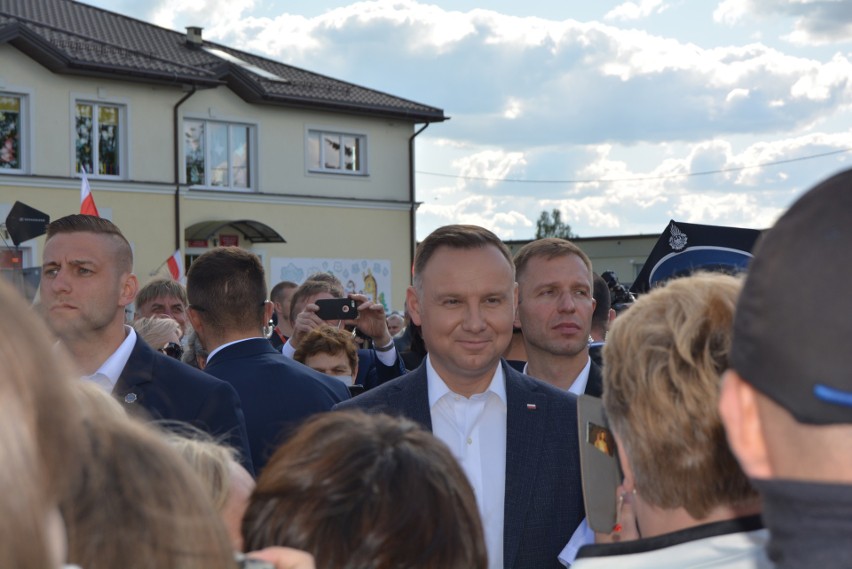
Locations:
column 372, row 320
column 284, row 558
column 625, row 528
column 306, row 321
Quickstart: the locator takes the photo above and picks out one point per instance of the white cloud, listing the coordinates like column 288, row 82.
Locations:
column 634, row 11
column 814, row 22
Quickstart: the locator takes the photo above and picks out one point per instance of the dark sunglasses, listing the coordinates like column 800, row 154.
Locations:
column 172, row 350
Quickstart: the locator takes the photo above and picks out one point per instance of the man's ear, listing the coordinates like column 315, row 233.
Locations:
column 413, row 305
column 129, row 288
column 268, row 308
column 739, row 411
column 196, row 321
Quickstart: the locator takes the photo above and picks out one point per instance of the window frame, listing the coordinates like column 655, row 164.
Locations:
column 123, row 136
column 251, row 161
column 362, row 137
column 24, row 129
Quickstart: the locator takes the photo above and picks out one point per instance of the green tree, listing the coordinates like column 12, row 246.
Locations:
column 550, row 224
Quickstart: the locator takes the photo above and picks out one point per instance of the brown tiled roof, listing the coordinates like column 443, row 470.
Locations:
column 74, row 38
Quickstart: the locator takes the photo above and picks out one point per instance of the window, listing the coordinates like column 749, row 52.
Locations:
column 337, row 153
column 11, row 132
column 218, row 154
column 99, row 131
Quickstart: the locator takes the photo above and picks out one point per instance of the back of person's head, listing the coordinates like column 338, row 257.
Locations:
column 792, row 334
column 455, row 237
column 40, row 427
column 328, row 340
column 311, row 287
column 160, row 288
column 664, row 360
column 79, row 223
column 367, row 492
column 603, row 304
column 226, row 288
column 277, row 292
column 140, row 506
column 548, row 248
column 157, row 331
column 227, row 483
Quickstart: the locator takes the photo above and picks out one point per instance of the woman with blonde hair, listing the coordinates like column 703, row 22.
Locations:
column 40, row 427
column 693, row 505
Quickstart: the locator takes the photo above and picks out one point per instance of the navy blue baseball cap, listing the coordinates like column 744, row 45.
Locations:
column 793, row 325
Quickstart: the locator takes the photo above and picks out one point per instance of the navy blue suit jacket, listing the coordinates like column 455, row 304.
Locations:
column 277, row 393
column 372, row 372
column 543, row 499
column 169, row 390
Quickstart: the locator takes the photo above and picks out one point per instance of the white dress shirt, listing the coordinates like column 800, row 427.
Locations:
column 107, row 375
column 579, row 386
column 475, row 431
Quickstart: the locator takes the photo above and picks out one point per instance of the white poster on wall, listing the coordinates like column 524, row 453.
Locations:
column 371, row 277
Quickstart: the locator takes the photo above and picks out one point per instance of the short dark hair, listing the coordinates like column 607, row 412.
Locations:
column 358, row 490
column 160, row 287
column 311, row 287
column 227, row 286
column 278, row 290
column 328, row 340
column 600, row 292
column 549, row 248
column 455, row 237
column 79, row 223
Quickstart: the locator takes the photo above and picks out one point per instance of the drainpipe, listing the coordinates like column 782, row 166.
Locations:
column 412, row 213
column 178, row 239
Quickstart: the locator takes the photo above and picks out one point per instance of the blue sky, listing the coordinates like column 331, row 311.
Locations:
column 601, row 109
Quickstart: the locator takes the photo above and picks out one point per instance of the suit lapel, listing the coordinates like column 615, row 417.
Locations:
column 410, row 397
column 135, row 377
column 594, row 386
column 525, row 426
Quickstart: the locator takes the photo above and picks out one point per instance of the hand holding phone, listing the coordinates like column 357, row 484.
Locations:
column 337, row 309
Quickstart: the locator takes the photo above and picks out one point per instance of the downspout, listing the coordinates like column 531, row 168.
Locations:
column 178, row 239
column 412, row 213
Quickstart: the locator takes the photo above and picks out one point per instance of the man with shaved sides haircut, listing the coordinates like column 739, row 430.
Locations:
column 87, row 281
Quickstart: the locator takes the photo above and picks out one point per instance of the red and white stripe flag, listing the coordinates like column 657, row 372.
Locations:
column 175, row 264
column 87, row 200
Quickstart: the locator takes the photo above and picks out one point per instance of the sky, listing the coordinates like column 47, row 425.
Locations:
column 622, row 115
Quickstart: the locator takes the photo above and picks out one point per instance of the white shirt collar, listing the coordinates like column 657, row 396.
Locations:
column 437, row 388
column 580, row 382
column 113, row 366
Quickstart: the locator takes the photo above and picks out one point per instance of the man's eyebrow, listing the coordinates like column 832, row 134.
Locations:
column 74, row 262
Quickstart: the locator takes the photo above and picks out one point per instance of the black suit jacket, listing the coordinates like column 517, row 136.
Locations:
column 277, row 393
column 543, row 499
column 594, row 386
column 168, row 390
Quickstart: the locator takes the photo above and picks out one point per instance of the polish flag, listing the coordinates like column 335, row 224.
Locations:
column 175, row 264
column 87, row 200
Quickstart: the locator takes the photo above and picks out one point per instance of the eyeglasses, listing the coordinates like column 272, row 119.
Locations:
column 173, row 350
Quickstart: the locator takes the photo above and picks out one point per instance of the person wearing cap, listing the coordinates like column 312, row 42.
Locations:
column 786, row 400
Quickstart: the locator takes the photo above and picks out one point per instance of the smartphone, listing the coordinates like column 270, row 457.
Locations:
column 598, row 464
column 337, row 309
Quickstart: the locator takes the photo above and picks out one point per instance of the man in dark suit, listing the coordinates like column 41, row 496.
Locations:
column 226, row 287
column 555, row 307
column 515, row 437
column 87, row 281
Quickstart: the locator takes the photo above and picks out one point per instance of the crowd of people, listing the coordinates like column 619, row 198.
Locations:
column 198, row 435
